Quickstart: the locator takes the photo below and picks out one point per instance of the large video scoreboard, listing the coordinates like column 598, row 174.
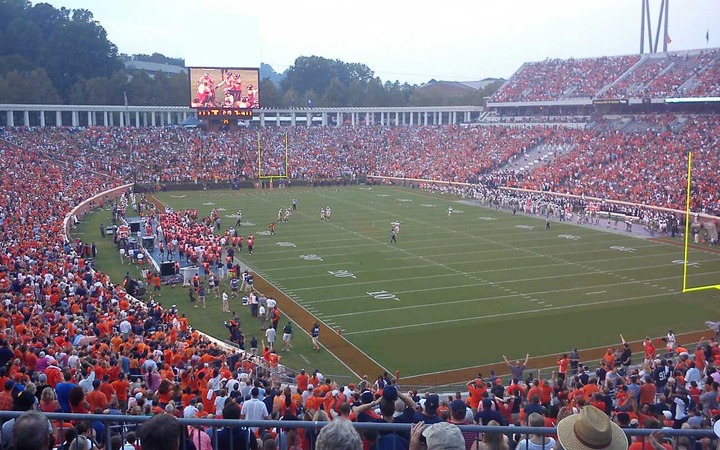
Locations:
column 224, row 92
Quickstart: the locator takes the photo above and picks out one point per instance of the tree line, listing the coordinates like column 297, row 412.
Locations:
column 50, row 56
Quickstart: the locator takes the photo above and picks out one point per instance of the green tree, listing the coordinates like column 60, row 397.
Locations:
column 269, row 94
column 41, row 88
column 14, row 88
column 140, row 89
column 335, row 95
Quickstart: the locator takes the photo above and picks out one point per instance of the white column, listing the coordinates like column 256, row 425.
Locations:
column 439, row 120
column 89, row 116
column 122, row 119
column 412, row 117
column 105, row 118
column 308, row 117
column 262, row 119
column 397, row 118
column 367, row 118
column 324, row 119
column 454, row 117
column 426, row 118
column 277, row 119
column 152, row 118
column 382, row 119
column 58, row 119
column 338, row 119
column 26, row 118
column 137, row 118
column 112, row 118
column 292, row 118
column 169, row 119
column 162, row 119
column 184, row 116
column 145, row 123
column 10, row 118
column 74, row 118
column 42, row 118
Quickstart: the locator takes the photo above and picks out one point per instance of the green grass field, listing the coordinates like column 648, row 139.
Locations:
column 452, row 293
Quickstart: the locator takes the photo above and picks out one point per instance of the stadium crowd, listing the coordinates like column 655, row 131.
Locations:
column 659, row 76
column 71, row 340
column 605, row 162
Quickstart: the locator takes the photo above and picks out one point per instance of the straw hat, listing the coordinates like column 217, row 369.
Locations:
column 590, row 430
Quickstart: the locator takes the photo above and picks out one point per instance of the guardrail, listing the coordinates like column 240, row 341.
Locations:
column 120, row 425
column 551, row 193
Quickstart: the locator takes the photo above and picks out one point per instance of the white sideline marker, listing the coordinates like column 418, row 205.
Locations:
column 593, row 293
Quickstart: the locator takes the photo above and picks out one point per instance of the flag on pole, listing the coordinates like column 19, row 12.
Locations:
column 667, row 38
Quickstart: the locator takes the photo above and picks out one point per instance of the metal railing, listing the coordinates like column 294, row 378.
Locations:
column 120, row 425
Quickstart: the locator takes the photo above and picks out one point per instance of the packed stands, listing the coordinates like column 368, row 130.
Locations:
column 81, row 345
column 690, row 73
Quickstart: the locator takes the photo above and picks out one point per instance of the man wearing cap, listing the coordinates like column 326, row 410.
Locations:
column 388, row 407
column 458, row 413
column 590, row 430
column 440, row 436
column 429, row 413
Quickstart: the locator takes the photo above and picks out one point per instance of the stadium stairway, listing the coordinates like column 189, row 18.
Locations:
column 536, row 156
column 637, row 65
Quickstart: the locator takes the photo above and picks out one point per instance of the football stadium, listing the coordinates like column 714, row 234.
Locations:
column 317, row 259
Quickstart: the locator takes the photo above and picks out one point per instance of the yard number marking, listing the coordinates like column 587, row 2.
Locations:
column 264, row 233
column 682, row 261
column 487, row 218
column 342, row 274
column 623, row 249
column 569, row 236
column 286, row 244
column 525, row 227
column 383, row 295
column 311, row 257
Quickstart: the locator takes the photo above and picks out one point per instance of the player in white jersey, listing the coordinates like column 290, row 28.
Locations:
column 280, row 215
column 449, row 211
column 322, row 214
column 239, row 218
column 327, row 213
column 287, row 215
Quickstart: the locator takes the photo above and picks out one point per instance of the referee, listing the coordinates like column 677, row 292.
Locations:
column 392, row 235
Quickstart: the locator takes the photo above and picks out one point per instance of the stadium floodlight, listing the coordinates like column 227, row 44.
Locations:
column 685, row 287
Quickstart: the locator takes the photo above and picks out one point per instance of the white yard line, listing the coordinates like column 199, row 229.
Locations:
column 515, row 313
column 481, row 299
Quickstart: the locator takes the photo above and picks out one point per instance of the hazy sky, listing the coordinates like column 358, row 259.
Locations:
column 407, row 40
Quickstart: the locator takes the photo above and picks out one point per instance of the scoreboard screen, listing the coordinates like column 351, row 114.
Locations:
column 224, row 92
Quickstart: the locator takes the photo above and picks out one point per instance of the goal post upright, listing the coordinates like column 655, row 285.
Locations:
column 687, row 223
column 686, row 289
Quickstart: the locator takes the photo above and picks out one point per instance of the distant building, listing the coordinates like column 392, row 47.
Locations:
column 456, row 88
column 153, row 68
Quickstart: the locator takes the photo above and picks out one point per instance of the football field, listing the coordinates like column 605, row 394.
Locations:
column 453, row 294
column 461, row 292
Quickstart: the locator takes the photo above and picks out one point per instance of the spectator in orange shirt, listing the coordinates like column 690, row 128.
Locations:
column 95, row 398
